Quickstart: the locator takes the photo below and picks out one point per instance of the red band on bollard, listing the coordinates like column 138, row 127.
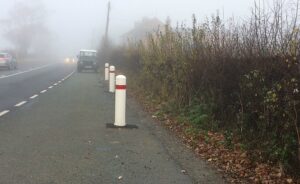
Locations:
column 121, row 87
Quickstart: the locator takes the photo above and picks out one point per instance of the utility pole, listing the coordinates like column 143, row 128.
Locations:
column 105, row 44
column 107, row 24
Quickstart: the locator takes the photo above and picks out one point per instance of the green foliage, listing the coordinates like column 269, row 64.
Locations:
column 200, row 115
column 193, row 132
column 228, row 139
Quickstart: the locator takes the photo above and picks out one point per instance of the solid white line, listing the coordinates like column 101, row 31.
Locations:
column 50, row 87
column 4, row 112
column 34, row 96
column 30, row 70
column 44, row 91
column 20, row 104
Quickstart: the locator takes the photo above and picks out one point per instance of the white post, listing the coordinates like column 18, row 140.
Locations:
column 106, row 71
column 112, row 79
column 120, row 101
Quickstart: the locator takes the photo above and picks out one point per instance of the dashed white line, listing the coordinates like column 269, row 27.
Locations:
column 68, row 76
column 55, row 84
column 34, row 96
column 4, row 112
column 20, row 104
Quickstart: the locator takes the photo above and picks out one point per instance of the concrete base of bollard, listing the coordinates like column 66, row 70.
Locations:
column 111, row 125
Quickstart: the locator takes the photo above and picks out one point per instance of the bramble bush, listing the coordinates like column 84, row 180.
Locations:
column 237, row 77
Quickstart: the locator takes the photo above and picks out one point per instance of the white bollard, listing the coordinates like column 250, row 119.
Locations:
column 120, row 101
column 106, row 71
column 112, row 79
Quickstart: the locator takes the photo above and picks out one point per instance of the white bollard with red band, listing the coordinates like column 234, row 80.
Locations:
column 112, row 79
column 106, row 71
column 120, row 101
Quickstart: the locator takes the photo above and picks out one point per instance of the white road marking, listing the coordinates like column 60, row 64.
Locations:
column 71, row 74
column 34, row 96
column 4, row 112
column 22, row 72
column 68, row 76
column 20, row 104
column 55, row 84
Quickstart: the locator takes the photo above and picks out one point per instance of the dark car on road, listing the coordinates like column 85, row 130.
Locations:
column 8, row 61
column 87, row 60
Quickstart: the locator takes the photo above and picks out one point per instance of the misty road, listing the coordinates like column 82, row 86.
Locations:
column 61, row 137
column 18, row 87
column 144, row 92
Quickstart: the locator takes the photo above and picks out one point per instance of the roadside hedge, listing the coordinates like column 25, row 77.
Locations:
column 228, row 76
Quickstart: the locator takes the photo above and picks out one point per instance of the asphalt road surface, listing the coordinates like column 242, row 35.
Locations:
column 59, row 135
column 16, row 86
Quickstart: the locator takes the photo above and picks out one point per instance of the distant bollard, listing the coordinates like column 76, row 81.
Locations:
column 106, row 71
column 120, row 101
column 112, row 79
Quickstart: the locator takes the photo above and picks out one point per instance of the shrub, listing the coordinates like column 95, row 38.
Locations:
column 248, row 71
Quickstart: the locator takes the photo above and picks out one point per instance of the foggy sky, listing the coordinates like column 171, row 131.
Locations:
column 79, row 24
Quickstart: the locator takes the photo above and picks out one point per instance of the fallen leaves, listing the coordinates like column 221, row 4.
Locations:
column 234, row 163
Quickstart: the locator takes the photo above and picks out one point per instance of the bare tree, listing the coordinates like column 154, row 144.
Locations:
column 24, row 24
